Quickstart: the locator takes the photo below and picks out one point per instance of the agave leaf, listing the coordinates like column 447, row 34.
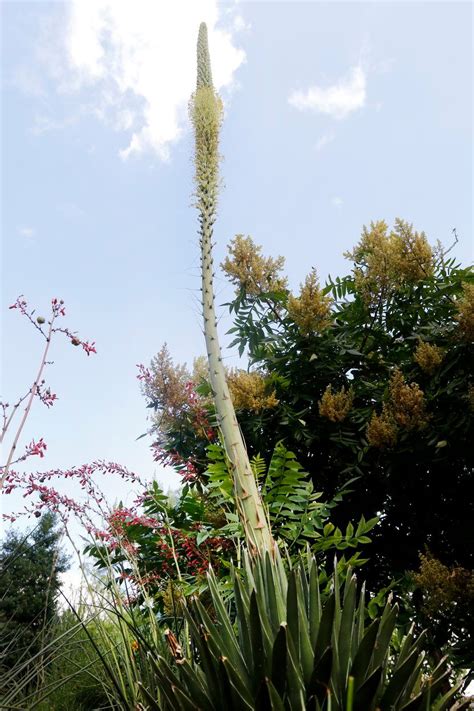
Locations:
column 321, row 676
column 442, row 703
column 218, row 638
column 166, row 678
column 242, row 617
column 185, row 703
column 258, row 649
column 323, row 639
column 293, row 613
column 407, row 645
column 196, row 684
column 262, row 604
column 337, row 601
column 303, row 578
column 314, row 611
column 248, row 570
column 399, row 679
column 226, row 633
column 268, row 698
column 357, row 639
column 346, row 631
column 382, row 643
column 306, row 648
column 226, row 699
column 163, row 669
column 365, row 696
column 276, row 601
column 296, row 686
column 236, row 695
column 153, row 703
column 207, row 660
column 361, row 664
column 414, row 683
column 241, row 687
column 433, row 687
column 280, row 660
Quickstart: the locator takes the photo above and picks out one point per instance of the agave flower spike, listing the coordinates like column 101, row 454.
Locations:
column 206, row 116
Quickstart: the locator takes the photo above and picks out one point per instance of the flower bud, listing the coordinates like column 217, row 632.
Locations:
column 40, row 320
column 75, row 342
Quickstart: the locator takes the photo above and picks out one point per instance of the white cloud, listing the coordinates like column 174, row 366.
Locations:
column 324, row 140
column 26, row 231
column 337, row 201
column 45, row 124
column 339, row 100
column 136, row 63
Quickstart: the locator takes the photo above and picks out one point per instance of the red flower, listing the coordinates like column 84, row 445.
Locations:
column 89, row 347
column 36, row 448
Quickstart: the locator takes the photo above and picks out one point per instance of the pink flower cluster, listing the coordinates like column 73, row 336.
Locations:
column 45, row 395
column 185, row 467
column 41, row 494
column 144, row 374
column 36, row 448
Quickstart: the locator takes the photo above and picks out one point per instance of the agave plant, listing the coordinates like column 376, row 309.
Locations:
column 279, row 646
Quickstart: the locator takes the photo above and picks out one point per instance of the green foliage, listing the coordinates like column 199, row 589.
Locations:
column 283, row 647
column 30, row 566
column 296, row 514
column 404, row 309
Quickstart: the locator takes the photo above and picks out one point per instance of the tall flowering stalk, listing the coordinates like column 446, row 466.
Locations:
column 206, row 115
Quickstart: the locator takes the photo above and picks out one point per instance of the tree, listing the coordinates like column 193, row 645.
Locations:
column 30, row 566
column 376, row 383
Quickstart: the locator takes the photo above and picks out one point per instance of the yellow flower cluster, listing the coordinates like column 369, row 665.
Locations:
column 429, row 357
column 443, row 586
column 336, row 406
column 407, row 403
column 405, row 408
column 248, row 269
column 465, row 315
column 250, row 391
column 381, row 430
column 311, row 310
column 386, row 260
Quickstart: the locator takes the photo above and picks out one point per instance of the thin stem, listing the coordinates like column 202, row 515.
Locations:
column 7, row 421
column 33, row 390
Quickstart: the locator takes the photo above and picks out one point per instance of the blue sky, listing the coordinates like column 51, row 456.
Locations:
column 336, row 114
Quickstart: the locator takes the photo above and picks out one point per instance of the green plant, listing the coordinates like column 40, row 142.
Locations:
column 296, row 514
column 281, row 646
